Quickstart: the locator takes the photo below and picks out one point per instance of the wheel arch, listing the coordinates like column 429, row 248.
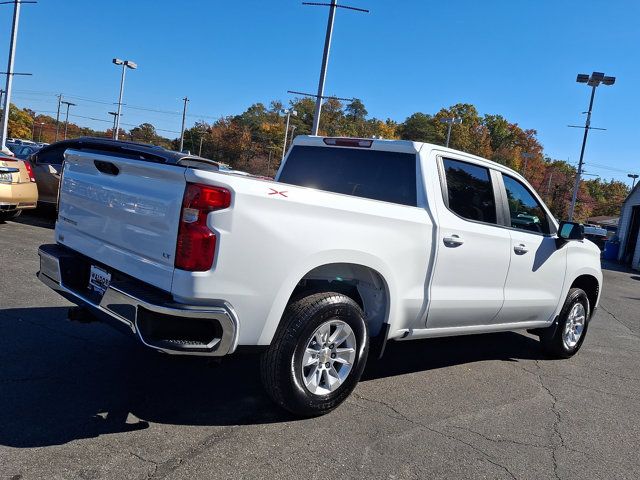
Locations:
column 364, row 282
column 591, row 286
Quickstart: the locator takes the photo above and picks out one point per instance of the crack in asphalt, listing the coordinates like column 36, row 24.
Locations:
column 556, row 423
column 401, row 416
column 606, row 310
column 571, row 381
column 501, row 440
column 168, row 467
column 153, row 463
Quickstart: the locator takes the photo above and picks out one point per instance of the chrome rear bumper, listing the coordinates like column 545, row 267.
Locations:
column 139, row 306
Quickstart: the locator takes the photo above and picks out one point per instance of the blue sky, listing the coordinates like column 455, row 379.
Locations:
column 517, row 58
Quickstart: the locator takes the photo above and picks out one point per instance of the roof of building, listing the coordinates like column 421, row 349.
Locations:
column 604, row 220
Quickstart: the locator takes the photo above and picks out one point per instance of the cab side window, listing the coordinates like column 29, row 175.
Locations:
column 470, row 191
column 525, row 212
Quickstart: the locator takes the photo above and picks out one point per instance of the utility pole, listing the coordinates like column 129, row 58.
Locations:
column 12, row 51
column 58, row 116
column 549, row 183
column 184, row 115
column 113, row 129
column 200, row 147
column 66, row 121
column 593, row 81
column 40, row 133
column 325, row 55
column 635, row 177
column 526, row 157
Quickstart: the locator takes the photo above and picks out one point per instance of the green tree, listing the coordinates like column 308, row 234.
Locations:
column 418, row 127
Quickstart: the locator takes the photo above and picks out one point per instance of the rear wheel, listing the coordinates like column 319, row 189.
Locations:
column 564, row 338
column 317, row 355
column 4, row 216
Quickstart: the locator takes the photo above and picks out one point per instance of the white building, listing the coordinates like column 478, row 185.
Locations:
column 628, row 229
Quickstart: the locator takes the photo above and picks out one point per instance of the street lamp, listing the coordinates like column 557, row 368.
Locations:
column 288, row 112
column 450, row 121
column 593, row 81
column 125, row 64
column 293, row 131
column 634, row 176
column 66, row 121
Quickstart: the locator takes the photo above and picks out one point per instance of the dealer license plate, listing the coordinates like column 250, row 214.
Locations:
column 99, row 279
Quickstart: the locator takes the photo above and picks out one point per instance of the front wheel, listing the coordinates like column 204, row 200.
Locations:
column 564, row 338
column 317, row 355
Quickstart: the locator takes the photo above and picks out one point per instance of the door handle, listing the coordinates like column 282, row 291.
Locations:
column 453, row 240
column 520, row 249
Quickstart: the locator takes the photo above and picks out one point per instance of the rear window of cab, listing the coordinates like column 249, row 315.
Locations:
column 374, row 174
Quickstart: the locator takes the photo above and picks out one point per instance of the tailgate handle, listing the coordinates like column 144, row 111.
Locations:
column 106, row 167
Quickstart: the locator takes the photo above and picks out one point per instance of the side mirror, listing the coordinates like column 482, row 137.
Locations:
column 570, row 231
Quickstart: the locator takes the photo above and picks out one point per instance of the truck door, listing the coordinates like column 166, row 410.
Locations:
column 538, row 267
column 473, row 248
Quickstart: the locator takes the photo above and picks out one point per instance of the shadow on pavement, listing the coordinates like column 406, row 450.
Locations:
column 419, row 355
column 61, row 381
column 43, row 216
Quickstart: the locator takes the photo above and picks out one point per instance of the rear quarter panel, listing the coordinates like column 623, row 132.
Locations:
column 274, row 234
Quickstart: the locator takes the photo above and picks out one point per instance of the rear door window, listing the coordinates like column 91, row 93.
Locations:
column 470, row 191
column 374, row 174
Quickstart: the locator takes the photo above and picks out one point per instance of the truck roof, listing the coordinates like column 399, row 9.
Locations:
column 405, row 146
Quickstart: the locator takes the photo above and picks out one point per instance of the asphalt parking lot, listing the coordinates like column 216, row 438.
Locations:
column 81, row 401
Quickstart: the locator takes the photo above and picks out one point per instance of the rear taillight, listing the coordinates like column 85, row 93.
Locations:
column 196, row 247
column 32, row 177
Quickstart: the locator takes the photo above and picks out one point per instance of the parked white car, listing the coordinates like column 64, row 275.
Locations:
column 356, row 243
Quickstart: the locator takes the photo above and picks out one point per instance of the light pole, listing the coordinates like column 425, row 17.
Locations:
column 634, row 176
column 10, row 73
column 288, row 113
column 325, row 55
column 593, row 81
column 125, row 64
column 450, row 121
column 66, row 120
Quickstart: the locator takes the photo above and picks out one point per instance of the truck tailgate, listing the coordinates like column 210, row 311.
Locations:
column 122, row 212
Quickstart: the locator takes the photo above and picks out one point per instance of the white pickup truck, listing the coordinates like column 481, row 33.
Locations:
column 357, row 242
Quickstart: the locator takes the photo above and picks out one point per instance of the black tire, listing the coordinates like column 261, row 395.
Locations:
column 281, row 369
column 552, row 338
column 4, row 216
